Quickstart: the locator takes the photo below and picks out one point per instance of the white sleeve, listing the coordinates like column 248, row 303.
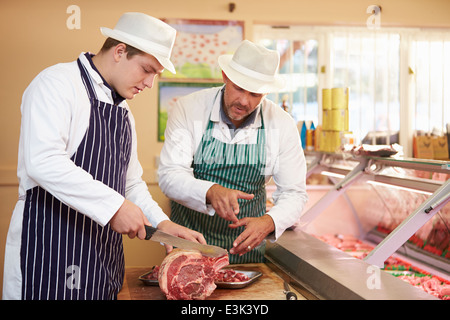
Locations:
column 137, row 190
column 46, row 117
column 289, row 172
column 175, row 174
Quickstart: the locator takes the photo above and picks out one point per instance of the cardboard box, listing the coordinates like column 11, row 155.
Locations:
column 440, row 148
column 423, row 147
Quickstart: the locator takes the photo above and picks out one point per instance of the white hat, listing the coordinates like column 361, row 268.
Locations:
column 253, row 68
column 145, row 33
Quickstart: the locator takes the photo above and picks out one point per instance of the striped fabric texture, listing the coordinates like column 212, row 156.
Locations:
column 65, row 254
column 234, row 166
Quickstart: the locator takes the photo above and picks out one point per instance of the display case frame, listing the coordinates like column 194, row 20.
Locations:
column 369, row 168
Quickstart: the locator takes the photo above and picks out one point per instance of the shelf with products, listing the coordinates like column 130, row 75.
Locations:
column 408, row 206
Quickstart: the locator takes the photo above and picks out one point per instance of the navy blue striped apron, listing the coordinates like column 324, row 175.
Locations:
column 64, row 253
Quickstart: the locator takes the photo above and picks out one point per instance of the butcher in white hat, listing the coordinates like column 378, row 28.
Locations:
column 80, row 185
column 222, row 145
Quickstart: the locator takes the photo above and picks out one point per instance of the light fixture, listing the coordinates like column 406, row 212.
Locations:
column 332, row 174
column 376, row 183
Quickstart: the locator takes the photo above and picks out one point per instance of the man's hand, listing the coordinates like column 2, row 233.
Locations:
column 256, row 230
column 177, row 230
column 130, row 220
column 225, row 201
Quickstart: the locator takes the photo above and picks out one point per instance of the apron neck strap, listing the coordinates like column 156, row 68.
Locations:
column 87, row 80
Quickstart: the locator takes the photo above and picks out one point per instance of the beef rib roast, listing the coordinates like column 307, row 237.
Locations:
column 189, row 275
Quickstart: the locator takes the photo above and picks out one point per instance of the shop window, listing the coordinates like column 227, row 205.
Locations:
column 399, row 79
column 298, row 66
column 313, row 58
column 368, row 64
column 430, row 68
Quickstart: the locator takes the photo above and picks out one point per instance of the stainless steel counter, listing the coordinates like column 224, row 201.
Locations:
column 324, row 272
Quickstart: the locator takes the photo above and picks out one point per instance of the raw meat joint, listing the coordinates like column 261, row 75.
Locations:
column 188, row 275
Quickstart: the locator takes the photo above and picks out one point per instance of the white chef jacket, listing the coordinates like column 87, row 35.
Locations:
column 285, row 160
column 55, row 116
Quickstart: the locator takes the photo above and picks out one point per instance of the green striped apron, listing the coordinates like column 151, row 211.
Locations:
column 234, row 166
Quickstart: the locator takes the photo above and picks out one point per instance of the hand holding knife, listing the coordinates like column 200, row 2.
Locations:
column 159, row 236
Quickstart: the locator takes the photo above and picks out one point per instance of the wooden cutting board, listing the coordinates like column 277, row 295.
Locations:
column 267, row 287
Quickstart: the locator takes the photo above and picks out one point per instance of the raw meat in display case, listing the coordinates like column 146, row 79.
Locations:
column 399, row 268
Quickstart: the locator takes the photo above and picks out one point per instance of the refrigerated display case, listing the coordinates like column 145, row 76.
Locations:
column 386, row 212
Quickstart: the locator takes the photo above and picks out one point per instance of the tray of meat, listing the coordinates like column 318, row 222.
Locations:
column 235, row 279
column 150, row 278
column 374, row 150
column 225, row 278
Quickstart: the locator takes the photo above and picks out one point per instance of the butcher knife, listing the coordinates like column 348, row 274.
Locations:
column 206, row 250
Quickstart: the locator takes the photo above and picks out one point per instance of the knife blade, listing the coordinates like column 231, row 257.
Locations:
column 154, row 234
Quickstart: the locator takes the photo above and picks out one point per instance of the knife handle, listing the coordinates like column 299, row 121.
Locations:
column 149, row 231
column 291, row 296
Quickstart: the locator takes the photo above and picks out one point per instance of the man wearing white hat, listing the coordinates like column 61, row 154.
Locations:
column 80, row 179
column 221, row 147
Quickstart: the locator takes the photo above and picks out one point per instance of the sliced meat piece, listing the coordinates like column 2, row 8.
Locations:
column 230, row 275
column 188, row 275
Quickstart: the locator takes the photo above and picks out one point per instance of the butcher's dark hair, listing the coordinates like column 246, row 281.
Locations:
column 130, row 50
